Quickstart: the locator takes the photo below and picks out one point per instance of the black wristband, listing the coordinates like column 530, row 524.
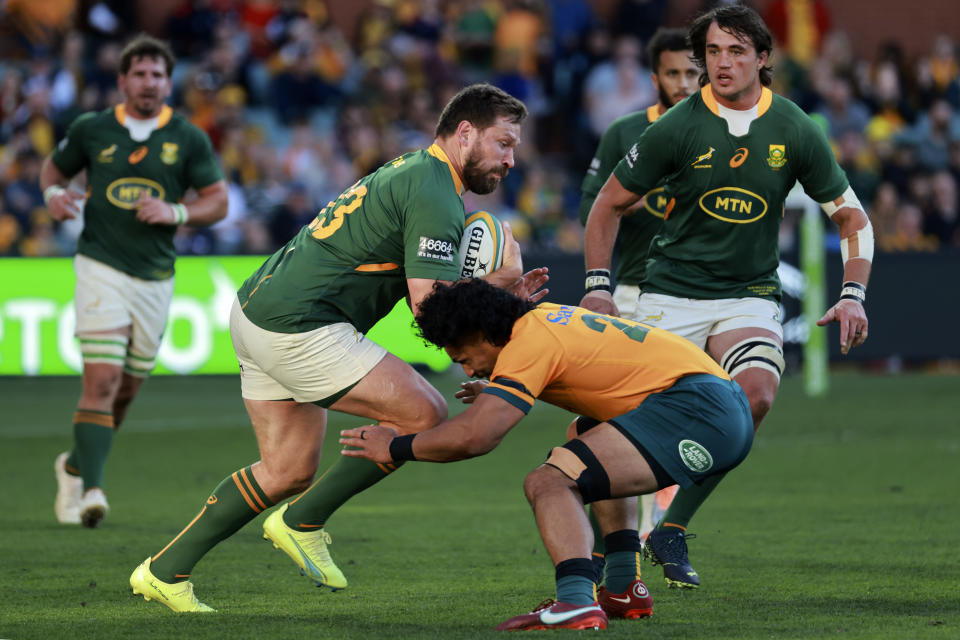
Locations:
column 401, row 448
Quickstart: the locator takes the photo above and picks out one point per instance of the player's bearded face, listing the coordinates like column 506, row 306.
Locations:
column 481, row 176
column 145, row 86
column 676, row 78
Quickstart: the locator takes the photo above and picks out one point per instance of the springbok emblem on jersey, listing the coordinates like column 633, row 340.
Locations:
column 703, row 158
column 169, row 153
column 778, row 156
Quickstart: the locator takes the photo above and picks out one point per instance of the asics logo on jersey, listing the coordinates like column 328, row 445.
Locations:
column 703, row 158
column 739, row 157
column 138, row 154
column 548, row 617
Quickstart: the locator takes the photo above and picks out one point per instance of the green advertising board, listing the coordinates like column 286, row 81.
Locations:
column 37, row 319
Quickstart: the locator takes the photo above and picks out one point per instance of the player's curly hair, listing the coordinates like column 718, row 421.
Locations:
column 739, row 20
column 144, row 46
column 480, row 105
column 455, row 314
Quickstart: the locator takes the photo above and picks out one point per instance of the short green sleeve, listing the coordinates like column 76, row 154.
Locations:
column 431, row 234
column 819, row 174
column 649, row 159
column 69, row 156
column 202, row 166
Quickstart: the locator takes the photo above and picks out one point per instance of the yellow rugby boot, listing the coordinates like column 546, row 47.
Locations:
column 178, row 596
column 307, row 548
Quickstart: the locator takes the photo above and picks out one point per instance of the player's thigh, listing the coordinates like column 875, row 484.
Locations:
column 395, row 394
column 319, row 366
column 148, row 302
column 685, row 317
column 700, row 426
column 747, row 342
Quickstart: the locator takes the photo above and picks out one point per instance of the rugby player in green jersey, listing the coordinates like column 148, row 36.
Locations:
column 140, row 158
column 675, row 77
column 727, row 157
column 298, row 328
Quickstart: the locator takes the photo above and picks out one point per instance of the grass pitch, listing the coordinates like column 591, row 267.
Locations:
column 842, row 523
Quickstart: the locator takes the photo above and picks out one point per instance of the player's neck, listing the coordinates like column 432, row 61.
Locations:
column 742, row 101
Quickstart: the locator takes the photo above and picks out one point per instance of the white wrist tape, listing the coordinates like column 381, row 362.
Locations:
column 52, row 192
column 858, row 245
column 180, row 214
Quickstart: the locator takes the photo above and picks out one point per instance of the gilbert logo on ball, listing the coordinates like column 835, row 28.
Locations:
column 481, row 248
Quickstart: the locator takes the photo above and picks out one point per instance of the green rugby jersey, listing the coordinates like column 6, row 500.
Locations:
column 638, row 229
column 720, row 234
column 176, row 156
column 350, row 264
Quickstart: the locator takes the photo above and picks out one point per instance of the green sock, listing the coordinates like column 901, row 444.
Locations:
column 345, row 479
column 623, row 560
column 575, row 583
column 93, row 433
column 235, row 502
column 686, row 503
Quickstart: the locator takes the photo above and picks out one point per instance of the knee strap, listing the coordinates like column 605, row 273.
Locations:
column 759, row 351
column 577, row 462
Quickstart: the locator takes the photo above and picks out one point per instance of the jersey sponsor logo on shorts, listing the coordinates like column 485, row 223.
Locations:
column 437, row 249
column 138, row 154
column 739, row 157
column 777, row 156
column 695, row 456
column 657, row 203
column 168, row 155
column 733, row 204
column 703, row 158
column 106, row 155
column 125, row 192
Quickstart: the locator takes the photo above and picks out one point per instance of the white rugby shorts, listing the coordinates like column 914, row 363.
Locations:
column 697, row 320
column 314, row 366
column 106, row 299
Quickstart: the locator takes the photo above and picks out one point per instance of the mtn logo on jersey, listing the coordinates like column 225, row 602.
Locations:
column 703, row 158
column 733, row 204
column 657, row 203
column 778, row 156
column 125, row 192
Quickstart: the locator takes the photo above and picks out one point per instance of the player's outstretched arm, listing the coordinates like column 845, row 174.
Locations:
column 848, row 312
column 476, row 431
column 603, row 223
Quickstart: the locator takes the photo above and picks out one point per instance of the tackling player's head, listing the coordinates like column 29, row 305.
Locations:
column 674, row 72
column 731, row 44
column 472, row 320
column 483, row 122
column 146, row 65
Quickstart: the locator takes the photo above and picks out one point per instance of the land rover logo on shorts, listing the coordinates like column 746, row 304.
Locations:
column 733, row 204
column 695, row 456
column 125, row 192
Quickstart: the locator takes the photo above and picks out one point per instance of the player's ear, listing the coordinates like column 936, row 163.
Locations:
column 463, row 132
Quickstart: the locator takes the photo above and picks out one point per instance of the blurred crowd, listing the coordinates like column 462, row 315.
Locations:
column 298, row 109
